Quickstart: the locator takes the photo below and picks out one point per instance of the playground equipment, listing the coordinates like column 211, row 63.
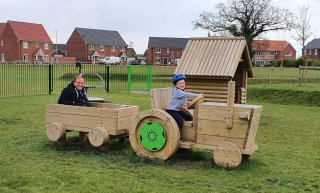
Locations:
column 101, row 121
column 217, row 67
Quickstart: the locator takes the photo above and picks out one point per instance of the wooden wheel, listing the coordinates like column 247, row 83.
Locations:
column 227, row 155
column 195, row 101
column 55, row 131
column 98, row 136
column 155, row 135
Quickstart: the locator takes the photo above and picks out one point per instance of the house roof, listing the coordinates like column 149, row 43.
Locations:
column 2, row 25
column 29, row 31
column 61, row 47
column 214, row 56
column 269, row 45
column 167, row 42
column 101, row 37
column 314, row 44
column 131, row 52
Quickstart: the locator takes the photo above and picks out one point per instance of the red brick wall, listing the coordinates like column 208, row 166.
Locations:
column 76, row 47
column 289, row 48
column 152, row 55
column 312, row 56
column 64, row 60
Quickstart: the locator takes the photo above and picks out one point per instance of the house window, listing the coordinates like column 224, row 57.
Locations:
column 310, row 51
column 36, row 44
column 91, row 47
column 305, row 52
column 46, row 46
column 25, row 57
column 158, row 61
column 158, row 50
column 25, row 44
column 259, row 53
column 101, row 47
column 168, row 50
column 113, row 48
column 172, row 56
column 316, row 52
column 46, row 58
column 288, row 54
column 123, row 49
column 272, row 53
column 259, row 63
column 1, row 42
column 2, row 57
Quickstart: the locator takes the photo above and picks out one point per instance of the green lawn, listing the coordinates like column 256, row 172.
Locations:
column 288, row 159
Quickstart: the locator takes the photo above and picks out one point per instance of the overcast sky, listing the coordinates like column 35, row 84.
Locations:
column 135, row 20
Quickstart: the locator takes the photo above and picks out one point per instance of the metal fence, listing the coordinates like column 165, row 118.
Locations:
column 32, row 79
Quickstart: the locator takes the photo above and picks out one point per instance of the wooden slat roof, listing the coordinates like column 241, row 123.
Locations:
column 214, row 56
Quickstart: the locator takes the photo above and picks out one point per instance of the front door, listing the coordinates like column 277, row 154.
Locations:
column 165, row 61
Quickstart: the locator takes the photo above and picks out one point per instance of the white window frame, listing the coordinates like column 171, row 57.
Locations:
column 168, row 50
column 305, row 52
column 36, row 44
column 91, row 47
column 2, row 57
column 172, row 56
column 315, row 52
column 46, row 58
column 272, row 53
column 25, row 44
column 113, row 48
column 258, row 53
column 158, row 50
column 123, row 48
column 25, row 57
column 46, row 46
column 157, row 61
column 101, row 47
column 288, row 54
column 310, row 51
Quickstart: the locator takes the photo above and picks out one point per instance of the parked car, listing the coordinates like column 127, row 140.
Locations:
column 143, row 62
column 109, row 60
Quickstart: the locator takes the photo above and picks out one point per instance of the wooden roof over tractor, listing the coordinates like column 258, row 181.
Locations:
column 210, row 63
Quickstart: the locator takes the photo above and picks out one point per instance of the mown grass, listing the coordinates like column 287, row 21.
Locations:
column 288, row 159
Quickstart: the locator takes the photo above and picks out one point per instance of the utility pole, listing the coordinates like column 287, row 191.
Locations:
column 56, row 47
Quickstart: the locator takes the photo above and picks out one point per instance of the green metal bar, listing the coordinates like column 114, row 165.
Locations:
column 106, row 78
column 50, row 79
column 149, row 80
column 129, row 78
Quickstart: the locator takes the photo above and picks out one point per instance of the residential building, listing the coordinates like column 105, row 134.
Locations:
column 131, row 55
column 164, row 50
column 88, row 45
column 312, row 50
column 269, row 51
column 28, row 42
column 61, row 50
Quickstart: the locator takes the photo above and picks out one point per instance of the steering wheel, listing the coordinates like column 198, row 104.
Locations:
column 192, row 104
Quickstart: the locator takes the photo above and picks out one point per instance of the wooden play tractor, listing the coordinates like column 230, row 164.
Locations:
column 228, row 129
column 101, row 121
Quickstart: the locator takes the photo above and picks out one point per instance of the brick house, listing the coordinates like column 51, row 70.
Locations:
column 28, row 42
column 88, row 45
column 269, row 51
column 165, row 50
column 311, row 50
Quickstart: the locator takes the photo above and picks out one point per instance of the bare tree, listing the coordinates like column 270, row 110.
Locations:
column 247, row 18
column 302, row 27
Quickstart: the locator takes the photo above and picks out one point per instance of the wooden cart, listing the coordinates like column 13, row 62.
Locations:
column 101, row 121
column 228, row 129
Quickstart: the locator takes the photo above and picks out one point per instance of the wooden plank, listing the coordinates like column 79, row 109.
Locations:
column 219, row 92
column 69, row 109
column 253, row 127
column 125, row 123
column 215, row 100
column 218, row 96
column 187, row 133
column 216, row 140
column 207, row 87
column 127, row 111
column 224, row 58
column 211, row 127
column 230, row 104
column 87, row 121
column 52, row 117
column 52, row 108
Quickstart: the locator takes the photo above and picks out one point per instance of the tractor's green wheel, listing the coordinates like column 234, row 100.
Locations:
column 155, row 135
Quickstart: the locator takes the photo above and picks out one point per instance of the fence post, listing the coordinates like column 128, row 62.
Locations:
column 129, row 77
column 50, row 78
column 149, row 81
column 271, row 72
column 107, row 78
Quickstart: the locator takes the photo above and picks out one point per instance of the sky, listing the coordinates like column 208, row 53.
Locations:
column 135, row 20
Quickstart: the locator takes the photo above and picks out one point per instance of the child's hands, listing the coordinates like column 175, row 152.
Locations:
column 185, row 106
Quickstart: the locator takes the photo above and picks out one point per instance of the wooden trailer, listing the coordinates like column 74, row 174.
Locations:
column 101, row 121
column 228, row 129
column 210, row 63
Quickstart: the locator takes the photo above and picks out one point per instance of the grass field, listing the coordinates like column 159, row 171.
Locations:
column 288, row 159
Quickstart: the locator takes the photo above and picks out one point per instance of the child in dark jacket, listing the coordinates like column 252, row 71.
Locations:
column 75, row 93
column 178, row 107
